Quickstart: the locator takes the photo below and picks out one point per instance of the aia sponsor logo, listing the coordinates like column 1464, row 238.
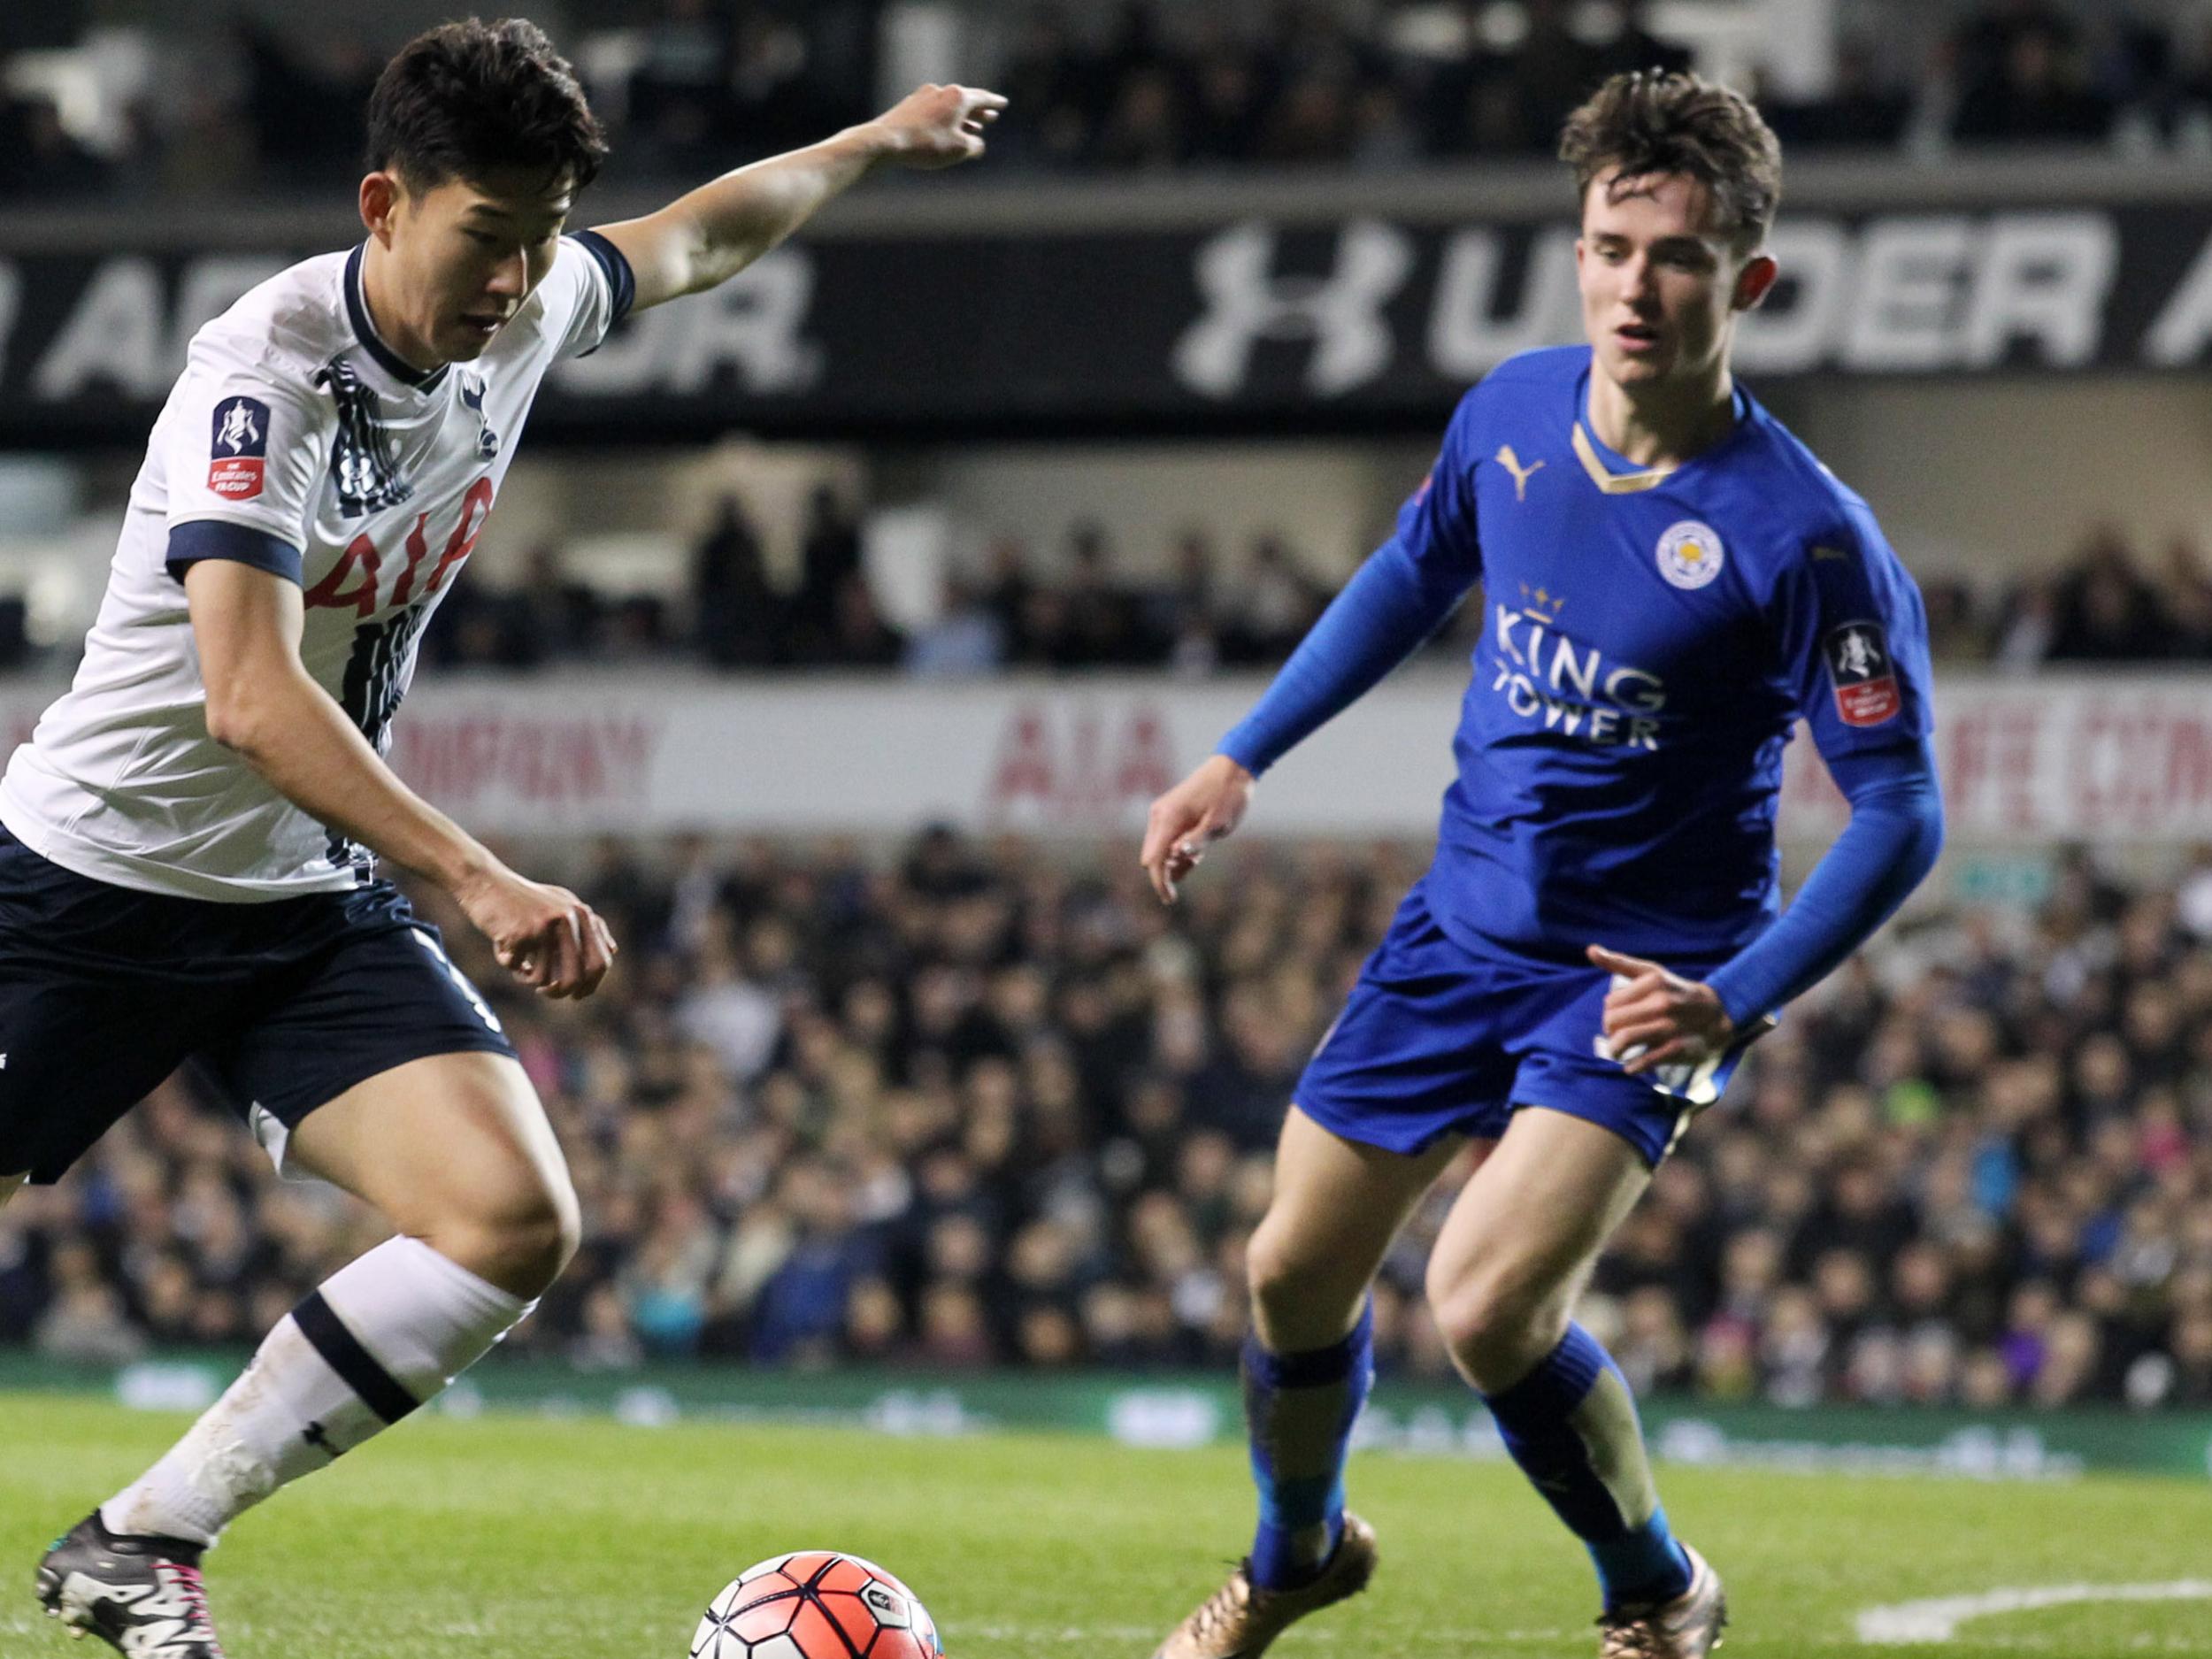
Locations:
column 238, row 453
column 1864, row 677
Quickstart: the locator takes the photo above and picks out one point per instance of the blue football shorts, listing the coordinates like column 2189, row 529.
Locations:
column 1436, row 1039
column 281, row 1005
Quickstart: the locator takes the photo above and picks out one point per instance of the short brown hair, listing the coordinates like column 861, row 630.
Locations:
column 467, row 97
column 1650, row 123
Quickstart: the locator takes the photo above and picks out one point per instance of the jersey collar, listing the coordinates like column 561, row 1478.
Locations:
column 364, row 330
column 1612, row 472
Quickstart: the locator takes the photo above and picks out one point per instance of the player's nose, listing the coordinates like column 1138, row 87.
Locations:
column 510, row 279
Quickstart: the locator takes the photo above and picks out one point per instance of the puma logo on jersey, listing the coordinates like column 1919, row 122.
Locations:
column 1521, row 474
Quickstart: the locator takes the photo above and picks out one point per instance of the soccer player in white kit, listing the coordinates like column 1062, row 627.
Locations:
column 188, row 843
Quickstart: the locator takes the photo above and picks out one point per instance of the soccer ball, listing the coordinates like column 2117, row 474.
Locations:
column 816, row 1604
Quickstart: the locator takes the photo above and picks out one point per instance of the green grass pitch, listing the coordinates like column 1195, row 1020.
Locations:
column 512, row 1538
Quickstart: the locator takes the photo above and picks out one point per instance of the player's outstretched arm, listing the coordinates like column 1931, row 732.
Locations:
column 263, row 704
column 708, row 237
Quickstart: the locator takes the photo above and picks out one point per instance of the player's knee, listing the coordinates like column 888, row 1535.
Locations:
column 522, row 1242
column 1497, row 1326
column 1272, row 1271
column 1298, row 1302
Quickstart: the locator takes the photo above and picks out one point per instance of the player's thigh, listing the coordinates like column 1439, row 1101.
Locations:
column 9, row 1185
column 1520, row 1240
column 449, row 1147
column 76, row 1055
column 1337, row 1205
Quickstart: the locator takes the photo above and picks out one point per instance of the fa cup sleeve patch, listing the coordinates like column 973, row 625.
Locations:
column 240, row 449
column 1865, row 680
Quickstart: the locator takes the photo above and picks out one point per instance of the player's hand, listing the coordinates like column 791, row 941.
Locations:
column 1189, row 818
column 545, row 936
column 937, row 127
column 1654, row 1017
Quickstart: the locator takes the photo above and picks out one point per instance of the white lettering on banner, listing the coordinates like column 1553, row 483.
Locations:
column 114, row 333
column 1467, row 334
column 753, row 325
column 516, row 767
column 1091, row 771
column 2182, row 328
column 1341, row 313
column 1910, row 271
column 10, row 300
column 2043, row 277
column 1900, row 293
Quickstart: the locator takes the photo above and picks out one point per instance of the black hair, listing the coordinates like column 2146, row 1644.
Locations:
column 466, row 98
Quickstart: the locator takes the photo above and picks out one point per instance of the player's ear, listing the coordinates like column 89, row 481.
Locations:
column 1755, row 281
column 381, row 195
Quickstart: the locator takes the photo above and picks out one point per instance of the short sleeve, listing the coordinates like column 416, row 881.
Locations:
column 1854, row 638
column 586, row 293
column 1437, row 526
column 244, row 443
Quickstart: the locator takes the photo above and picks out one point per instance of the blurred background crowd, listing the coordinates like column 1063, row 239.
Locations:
column 1205, row 606
column 959, row 1104
column 272, row 103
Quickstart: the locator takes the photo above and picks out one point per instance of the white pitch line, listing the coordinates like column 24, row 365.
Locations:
column 1938, row 1619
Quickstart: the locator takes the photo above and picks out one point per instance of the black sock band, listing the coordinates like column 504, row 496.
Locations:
column 359, row 1368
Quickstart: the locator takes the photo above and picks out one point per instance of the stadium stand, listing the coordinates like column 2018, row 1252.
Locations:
column 971, row 1104
column 1139, row 87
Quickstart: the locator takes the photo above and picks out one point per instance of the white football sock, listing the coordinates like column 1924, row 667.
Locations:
column 380, row 1337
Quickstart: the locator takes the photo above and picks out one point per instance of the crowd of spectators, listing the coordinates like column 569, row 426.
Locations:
column 1205, row 606
column 966, row 1104
column 2104, row 604
column 1082, row 609
column 690, row 86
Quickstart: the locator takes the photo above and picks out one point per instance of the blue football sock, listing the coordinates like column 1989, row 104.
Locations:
column 1300, row 1408
column 1571, row 1423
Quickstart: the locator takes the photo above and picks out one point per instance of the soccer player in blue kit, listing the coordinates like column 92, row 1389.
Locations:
column 1672, row 581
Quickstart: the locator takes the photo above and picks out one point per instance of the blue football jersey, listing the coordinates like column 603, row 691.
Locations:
column 1650, row 641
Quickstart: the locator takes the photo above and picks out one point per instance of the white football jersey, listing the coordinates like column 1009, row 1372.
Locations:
column 295, row 421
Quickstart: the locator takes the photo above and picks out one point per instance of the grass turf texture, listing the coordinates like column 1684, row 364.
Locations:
column 521, row 1539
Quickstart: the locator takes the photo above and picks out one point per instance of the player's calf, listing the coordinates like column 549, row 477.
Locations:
column 141, row 1595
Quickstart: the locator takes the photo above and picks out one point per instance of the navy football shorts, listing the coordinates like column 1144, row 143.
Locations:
column 283, row 1005
column 1436, row 1041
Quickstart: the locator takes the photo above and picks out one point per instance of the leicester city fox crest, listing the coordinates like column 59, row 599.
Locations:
column 361, row 462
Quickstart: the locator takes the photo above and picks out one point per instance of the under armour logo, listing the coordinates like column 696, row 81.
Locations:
column 1342, row 313
column 1521, row 474
column 314, row 1436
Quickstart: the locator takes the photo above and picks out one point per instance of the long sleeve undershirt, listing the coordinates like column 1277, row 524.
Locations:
column 1384, row 612
column 1896, row 831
